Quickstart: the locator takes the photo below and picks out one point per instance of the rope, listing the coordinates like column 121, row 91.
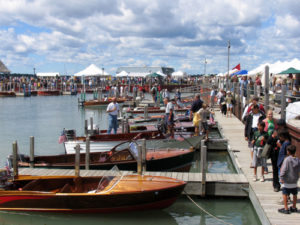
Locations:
column 189, row 197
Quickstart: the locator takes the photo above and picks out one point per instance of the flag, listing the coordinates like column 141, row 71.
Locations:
column 238, row 67
column 62, row 138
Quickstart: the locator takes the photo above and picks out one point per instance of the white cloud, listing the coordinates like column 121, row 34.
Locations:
column 180, row 33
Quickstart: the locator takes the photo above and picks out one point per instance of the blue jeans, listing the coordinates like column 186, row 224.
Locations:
column 112, row 123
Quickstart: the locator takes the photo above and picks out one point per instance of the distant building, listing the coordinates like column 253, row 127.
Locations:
column 145, row 70
column 3, row 68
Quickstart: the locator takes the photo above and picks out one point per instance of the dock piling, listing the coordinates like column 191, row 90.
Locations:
column 203, row 167
column 92, row 125
column 87, row 153
column 77, row 160
column 139, row 160
column 145, row 112
column 86, row 127
column 144, row 154
column 283, row 101
column 31, row 139
column 266, row 90
column 15, row 159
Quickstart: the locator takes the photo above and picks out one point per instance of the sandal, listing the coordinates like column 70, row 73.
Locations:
column 284, row 211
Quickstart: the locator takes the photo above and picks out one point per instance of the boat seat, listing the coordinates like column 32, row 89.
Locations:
column 33, row 185
column 66, row 189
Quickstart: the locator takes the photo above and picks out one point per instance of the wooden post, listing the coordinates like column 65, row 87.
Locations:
column 77, row 160
column 266, row 90
column 127, row 130
column 139, row 160
column 123, row 125
column 92, row 125
column 31, row 139
column 248, row 94
column 283, row 101
column 86, row 127
column 15, row 159
column 87, row 153
column 255, row 90
column 145, row 112
column 203, row 167
column 144, row 154
column 239, row 103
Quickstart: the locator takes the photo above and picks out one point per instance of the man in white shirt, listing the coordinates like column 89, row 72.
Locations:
column 169, row 116
column 112, row 110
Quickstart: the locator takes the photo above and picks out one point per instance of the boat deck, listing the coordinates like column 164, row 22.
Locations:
column 262, row 196
column 217, row 184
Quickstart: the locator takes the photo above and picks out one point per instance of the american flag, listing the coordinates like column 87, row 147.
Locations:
column 62, row 138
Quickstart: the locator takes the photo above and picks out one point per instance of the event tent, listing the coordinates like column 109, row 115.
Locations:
column 276, row 67
column 47, row 74
column 290, row 70
column 179, row 74
column 92, row 70
column 122, row 74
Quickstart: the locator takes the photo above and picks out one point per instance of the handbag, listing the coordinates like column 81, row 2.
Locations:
column 266, row 151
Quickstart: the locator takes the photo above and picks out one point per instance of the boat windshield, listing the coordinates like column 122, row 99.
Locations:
column 110, row 180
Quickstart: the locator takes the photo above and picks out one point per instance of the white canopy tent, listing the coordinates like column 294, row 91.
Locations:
column 122, row 74
column 47, row 74
column 92, row 70
column 275, row 68
column 160, row 73
column 179, row 74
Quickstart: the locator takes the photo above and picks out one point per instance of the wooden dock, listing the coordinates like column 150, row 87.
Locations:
column 217, row 184
column 265, row 201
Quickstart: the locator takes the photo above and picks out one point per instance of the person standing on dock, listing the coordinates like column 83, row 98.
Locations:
column 252, row 121
column 196, row 106
column 169, row 117
column 289, row 176
column 113, row 110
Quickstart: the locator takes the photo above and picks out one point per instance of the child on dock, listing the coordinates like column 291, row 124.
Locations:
column 260, row 138
column 203, row 115
column 289, row 175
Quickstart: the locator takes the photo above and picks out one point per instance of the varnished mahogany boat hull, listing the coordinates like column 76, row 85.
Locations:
column 160, row 196
column 48, row 92
column 179, row 163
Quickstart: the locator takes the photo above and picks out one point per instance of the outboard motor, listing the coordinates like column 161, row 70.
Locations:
column 70, row 134
column 5, row 177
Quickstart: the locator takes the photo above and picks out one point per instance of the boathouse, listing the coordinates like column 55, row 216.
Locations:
column 3, row 68
column 145, row 70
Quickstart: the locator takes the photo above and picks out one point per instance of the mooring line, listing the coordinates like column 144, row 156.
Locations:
column 189, row 197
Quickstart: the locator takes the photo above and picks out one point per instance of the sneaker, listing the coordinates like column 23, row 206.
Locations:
column 254, row 178
column 262, row 179
column 284, row 211
column 293, row 209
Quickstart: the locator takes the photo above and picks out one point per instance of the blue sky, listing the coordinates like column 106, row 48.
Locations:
column 67, row 36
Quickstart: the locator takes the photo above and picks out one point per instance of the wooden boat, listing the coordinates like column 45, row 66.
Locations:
column 124, row 156
column 103, row 102
column 140, row 111
column 48, row 92
column 105, row 142
column 107, row 194
column 7, row 94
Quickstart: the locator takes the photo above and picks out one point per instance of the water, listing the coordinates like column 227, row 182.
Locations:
column 45, row 117
column 183, row 212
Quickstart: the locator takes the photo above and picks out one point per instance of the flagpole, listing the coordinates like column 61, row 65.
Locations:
column 205, row 66
column 227, row 83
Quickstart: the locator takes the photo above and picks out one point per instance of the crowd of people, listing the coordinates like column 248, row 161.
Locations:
column 269, row 139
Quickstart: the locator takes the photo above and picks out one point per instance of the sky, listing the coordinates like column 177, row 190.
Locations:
column 67, row 36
